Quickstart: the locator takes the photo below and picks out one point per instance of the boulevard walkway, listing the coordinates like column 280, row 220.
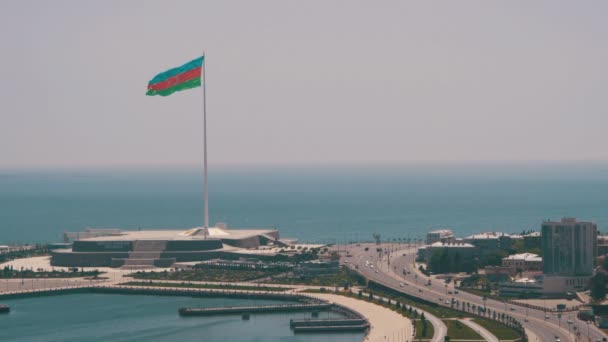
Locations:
column 386, row 325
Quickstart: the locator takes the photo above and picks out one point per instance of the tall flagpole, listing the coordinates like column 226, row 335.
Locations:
column 206, row 193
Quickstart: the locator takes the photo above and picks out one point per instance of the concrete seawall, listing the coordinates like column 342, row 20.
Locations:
column 253, row 309
column 162, row 291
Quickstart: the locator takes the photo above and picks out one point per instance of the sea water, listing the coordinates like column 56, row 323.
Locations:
column 322, row 204
column 122, row 318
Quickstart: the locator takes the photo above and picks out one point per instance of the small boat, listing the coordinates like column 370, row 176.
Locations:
column 4, row 308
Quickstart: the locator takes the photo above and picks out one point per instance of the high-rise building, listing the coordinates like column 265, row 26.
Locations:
column 569, row 247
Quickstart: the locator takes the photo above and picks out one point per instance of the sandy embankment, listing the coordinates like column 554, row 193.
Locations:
column 384, row 322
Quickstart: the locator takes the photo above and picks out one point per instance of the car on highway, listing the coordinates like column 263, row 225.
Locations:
column 547, row 316
column 512, row 308
column 569, row 321
column 419, row 290
column 402, row 285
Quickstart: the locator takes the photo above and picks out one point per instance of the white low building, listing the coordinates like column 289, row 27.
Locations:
column 524, row 261
column 465, row 249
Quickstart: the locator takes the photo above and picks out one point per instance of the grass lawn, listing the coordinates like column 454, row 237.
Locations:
column 339, row 279
column 501, row 331
column 459, row 331
column 207, row 286
column 429, row 330
column 205, row 274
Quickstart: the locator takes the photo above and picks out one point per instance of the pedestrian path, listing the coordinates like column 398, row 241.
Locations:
column 488, row 336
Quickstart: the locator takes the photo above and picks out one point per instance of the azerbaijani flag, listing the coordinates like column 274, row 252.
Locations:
column 181, row 78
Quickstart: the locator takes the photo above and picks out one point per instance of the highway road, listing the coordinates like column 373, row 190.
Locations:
column 388, row 268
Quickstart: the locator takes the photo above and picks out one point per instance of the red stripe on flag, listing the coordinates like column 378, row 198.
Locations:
column 177, row 79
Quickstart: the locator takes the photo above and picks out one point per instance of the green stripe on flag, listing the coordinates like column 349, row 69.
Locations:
column 192, row 83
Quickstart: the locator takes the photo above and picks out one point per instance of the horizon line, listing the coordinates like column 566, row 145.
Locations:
column 304, row 165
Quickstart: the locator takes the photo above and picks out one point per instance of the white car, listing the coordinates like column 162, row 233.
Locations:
column 402, row 285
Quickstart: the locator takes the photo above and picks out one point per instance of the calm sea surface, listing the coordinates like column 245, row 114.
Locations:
column 311, row 204
column 121, row 318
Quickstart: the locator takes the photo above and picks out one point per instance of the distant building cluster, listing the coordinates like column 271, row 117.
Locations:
column 474, row 246
column 569, row 250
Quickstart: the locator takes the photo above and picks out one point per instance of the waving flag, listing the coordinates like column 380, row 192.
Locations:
column 177, row 79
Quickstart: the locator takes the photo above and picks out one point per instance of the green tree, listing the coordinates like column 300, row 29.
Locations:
column 605, row 263
column 598, row 286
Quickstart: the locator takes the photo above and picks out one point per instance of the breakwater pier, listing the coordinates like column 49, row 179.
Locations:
column 253, row 309
column 353, row 322
column 332, row 324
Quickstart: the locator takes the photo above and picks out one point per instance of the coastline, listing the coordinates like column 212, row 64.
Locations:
column 382, row 320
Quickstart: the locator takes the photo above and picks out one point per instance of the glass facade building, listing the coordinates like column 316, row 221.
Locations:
column 569, row 247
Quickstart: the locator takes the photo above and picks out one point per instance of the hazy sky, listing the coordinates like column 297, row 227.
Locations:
column 303, row 81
